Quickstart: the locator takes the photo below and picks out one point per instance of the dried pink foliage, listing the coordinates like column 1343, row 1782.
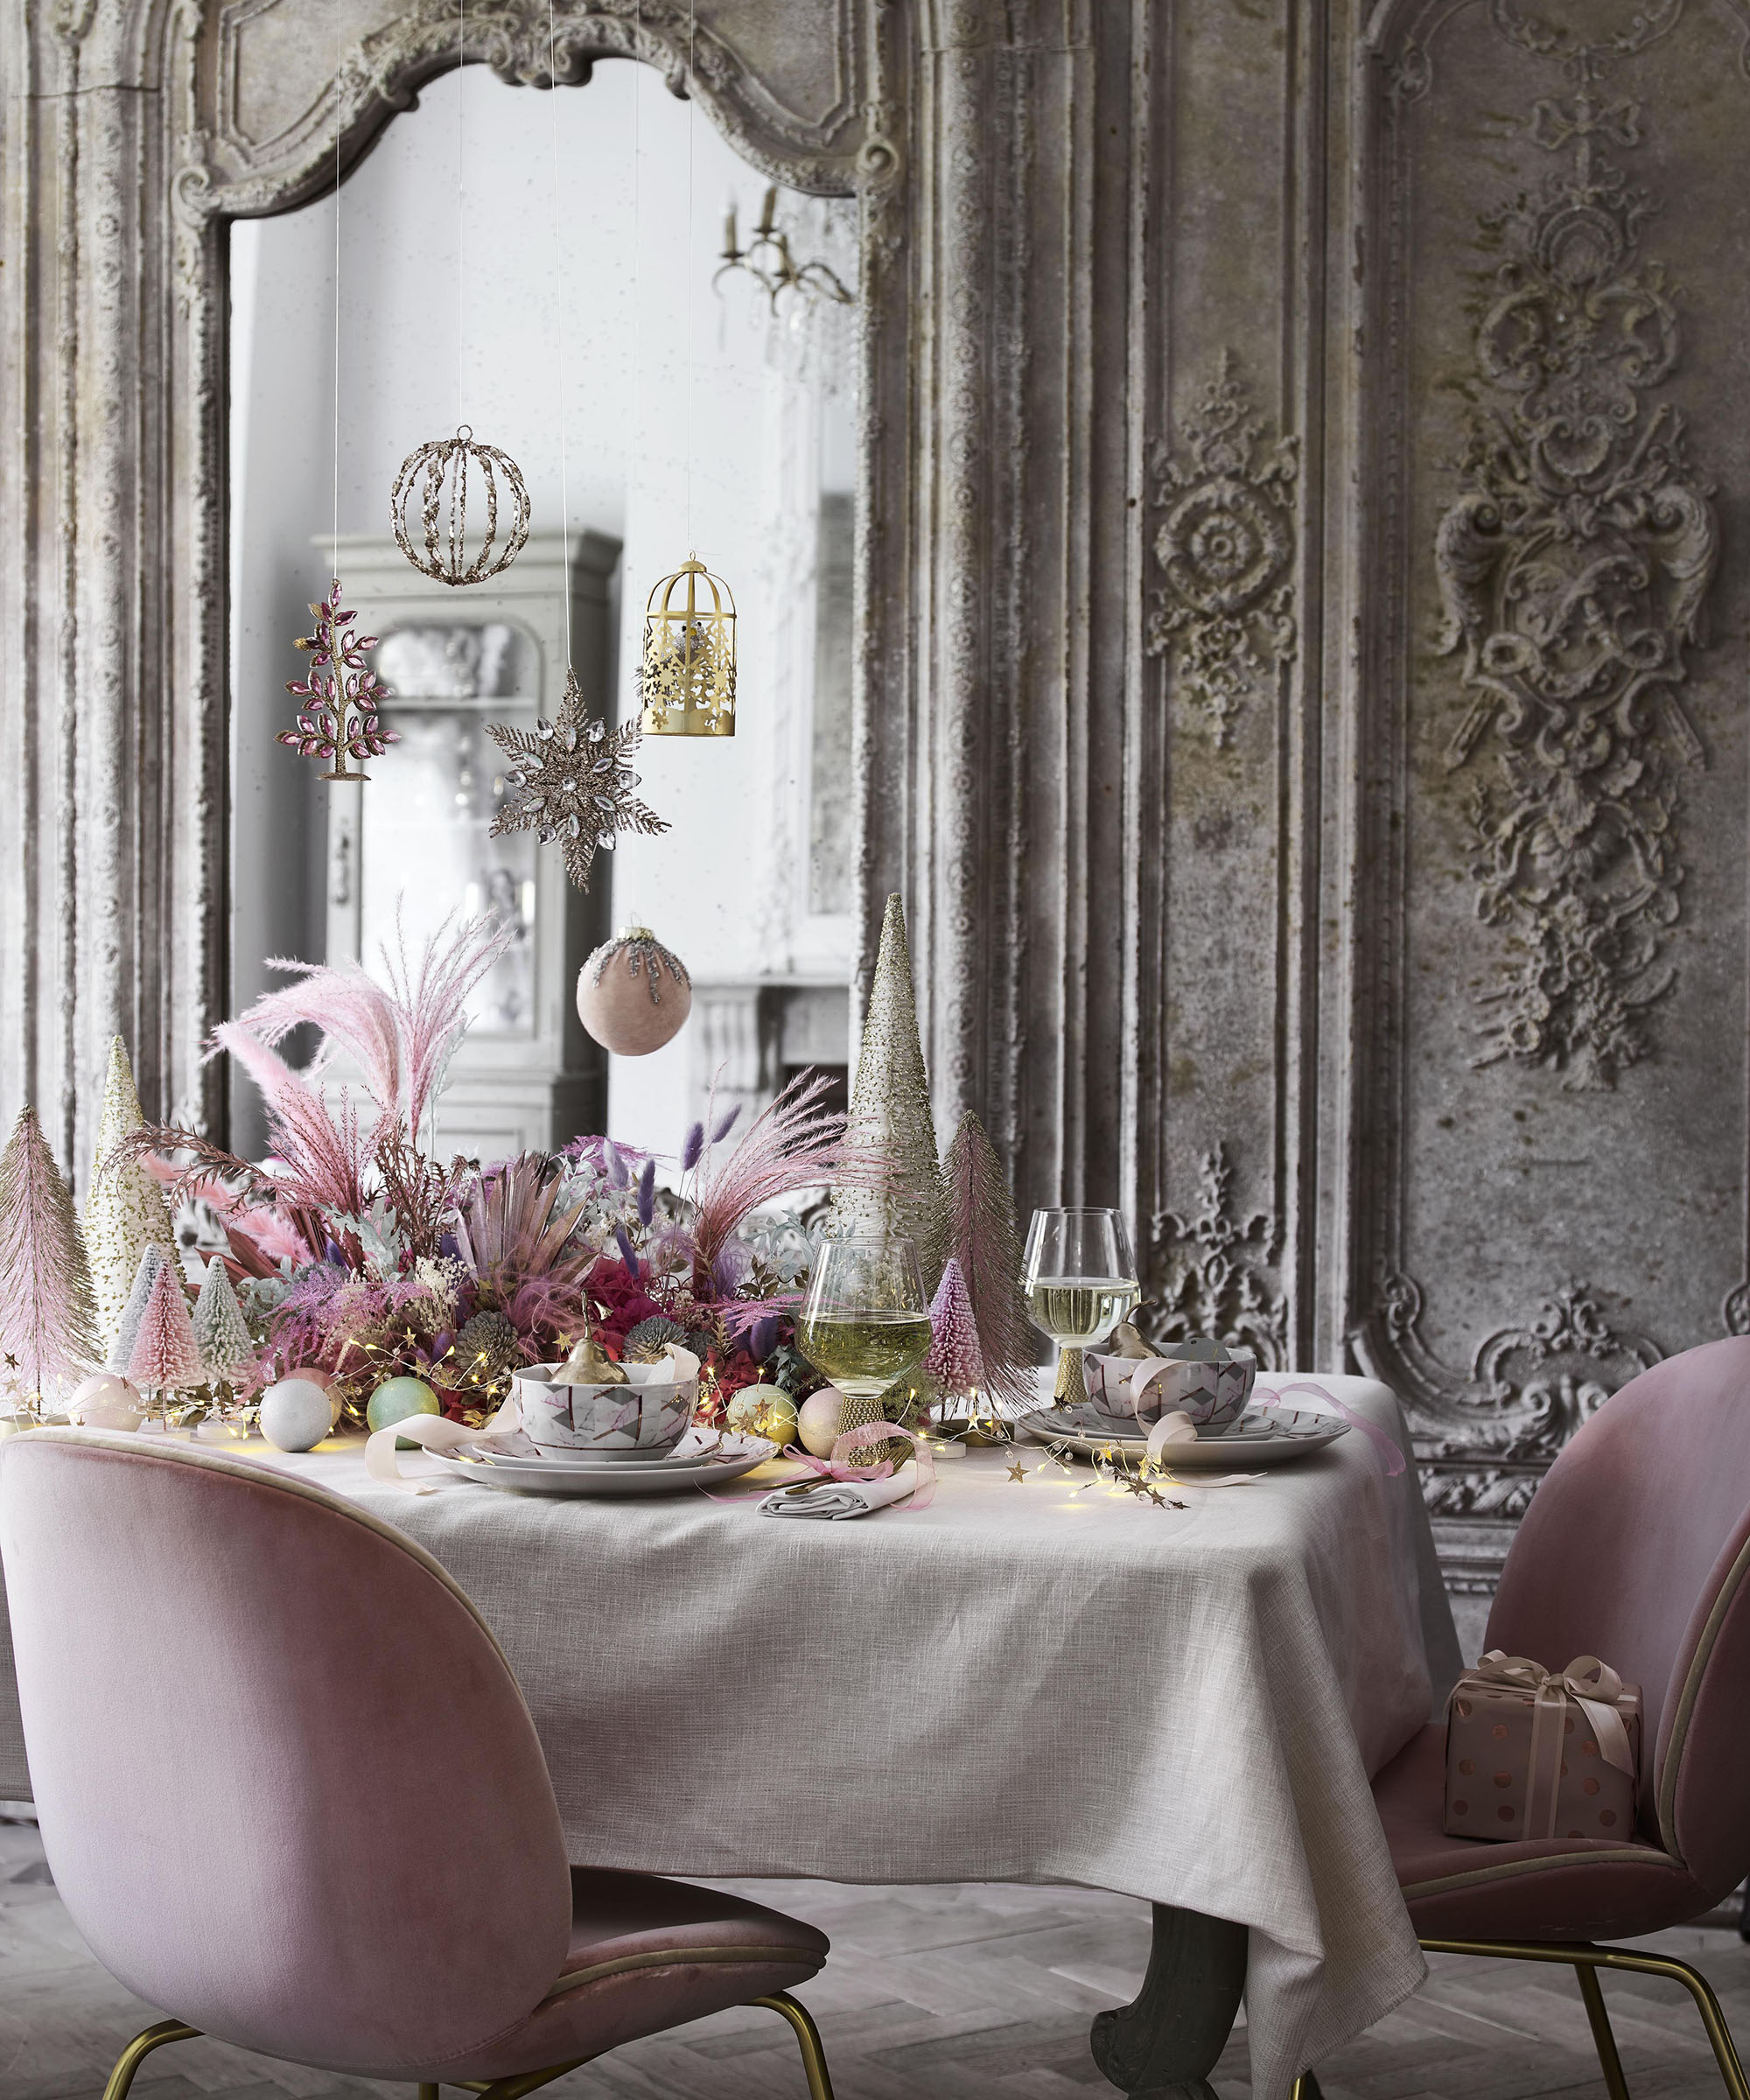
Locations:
column 511, row 1229
column 352, row 1010
column 430, row 998
column 792, row 1144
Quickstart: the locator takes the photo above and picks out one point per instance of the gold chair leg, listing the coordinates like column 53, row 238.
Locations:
column 1604, row 2039
column 138, row 2049
column 527, row 2082
column 808, row 2037
column 1305, row 2087
column 428, row 2092
column 1587, row 1959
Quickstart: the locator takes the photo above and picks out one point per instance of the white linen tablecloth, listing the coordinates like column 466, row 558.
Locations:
column 1020, row 1683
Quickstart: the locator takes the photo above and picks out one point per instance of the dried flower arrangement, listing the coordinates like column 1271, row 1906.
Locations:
column 354, row 1250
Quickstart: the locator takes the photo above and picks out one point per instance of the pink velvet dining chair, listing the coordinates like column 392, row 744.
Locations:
column 1635, row 1548
column 290, row 1793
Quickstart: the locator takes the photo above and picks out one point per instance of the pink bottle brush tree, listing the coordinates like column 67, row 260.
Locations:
column 48, row 1317
column 166, row 1358
column 956, row 1362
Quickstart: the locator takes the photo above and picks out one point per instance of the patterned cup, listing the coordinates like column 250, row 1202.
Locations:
column 1208, row 1382
column 643, row 1418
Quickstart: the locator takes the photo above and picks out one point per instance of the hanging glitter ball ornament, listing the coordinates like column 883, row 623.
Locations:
column 445, row 474
column 572, row 783
column 633, row 994
column 343, row 691
column 686, row 672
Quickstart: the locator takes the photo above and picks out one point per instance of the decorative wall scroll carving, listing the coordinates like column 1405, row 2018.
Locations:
column 1212, row 1274
column 1573, row 570
column 1484, row 1442
column 1225, row 607
column 279, row 152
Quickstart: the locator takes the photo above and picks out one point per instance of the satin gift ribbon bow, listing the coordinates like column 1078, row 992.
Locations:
column 839, row 1466
column 1592, row 1685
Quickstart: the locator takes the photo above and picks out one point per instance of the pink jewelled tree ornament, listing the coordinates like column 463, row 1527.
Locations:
column 341, row 720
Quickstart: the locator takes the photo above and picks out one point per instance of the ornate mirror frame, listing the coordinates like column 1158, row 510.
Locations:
column 137, row 129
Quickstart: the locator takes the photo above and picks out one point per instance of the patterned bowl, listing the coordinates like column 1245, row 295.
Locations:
column 640, row 1419
column 1207, row 1381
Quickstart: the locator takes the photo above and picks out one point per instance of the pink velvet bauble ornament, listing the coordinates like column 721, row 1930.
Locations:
column 633, row 994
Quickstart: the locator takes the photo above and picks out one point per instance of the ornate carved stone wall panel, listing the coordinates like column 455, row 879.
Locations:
column 1550, row 1116
column 1224, row 732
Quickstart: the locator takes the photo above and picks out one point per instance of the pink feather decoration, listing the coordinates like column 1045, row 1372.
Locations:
column 324, row 1159
column 431, row 999
column 792, row 1144
column 350, row 1008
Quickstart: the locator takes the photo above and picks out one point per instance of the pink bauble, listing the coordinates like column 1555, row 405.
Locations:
column 105, row 1402
column 633, row 994
column 817, row 1420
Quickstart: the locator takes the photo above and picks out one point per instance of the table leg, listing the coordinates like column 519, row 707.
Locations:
column 1165, row 2045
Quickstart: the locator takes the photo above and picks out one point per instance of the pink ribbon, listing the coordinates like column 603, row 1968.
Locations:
column 1387, row 1449
column 838, row 1466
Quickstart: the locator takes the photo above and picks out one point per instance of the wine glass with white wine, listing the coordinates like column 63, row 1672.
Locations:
column 1081, row 1281
column 865, row 1324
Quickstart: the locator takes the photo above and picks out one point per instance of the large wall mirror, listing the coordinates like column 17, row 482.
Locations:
column 551, row 270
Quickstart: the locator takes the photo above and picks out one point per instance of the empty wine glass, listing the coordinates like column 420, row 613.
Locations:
column 1081, row 1281
column 865, row 1324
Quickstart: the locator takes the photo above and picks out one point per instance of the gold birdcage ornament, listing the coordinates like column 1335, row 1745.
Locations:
column 686, row 673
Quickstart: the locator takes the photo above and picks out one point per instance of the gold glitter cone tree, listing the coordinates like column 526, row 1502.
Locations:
column 125, row 1211
column 890, row 1113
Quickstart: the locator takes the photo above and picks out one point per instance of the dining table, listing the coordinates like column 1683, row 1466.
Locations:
column 1041, row 1677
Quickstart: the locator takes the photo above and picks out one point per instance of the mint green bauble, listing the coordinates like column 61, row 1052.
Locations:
column 397, row 1399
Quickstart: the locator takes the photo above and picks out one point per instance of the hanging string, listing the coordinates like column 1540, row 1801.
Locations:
column 692, row 272
column 559, row 321
column 461, row 295
column 335, row 571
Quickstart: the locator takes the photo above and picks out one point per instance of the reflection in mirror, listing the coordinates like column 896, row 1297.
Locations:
column 699, row 414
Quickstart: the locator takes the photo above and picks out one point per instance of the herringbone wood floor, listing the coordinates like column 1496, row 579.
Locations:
column 957, row 1993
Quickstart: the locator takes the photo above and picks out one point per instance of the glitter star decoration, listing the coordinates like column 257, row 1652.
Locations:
column 572, row 783
column 343, row 691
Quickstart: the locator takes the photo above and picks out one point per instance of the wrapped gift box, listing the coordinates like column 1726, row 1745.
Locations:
column 1536, row 1753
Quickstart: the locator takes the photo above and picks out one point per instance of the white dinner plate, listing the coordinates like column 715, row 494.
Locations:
column 696, row 1464
column 1263, row 1435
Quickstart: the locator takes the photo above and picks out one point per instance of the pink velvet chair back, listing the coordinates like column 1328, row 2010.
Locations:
column 1635, row 1548
column 289, row 1788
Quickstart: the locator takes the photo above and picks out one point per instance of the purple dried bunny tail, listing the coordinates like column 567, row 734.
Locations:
column 692, row 1148
column 646, row 1193
column 612, row 1159
column 726, row 1125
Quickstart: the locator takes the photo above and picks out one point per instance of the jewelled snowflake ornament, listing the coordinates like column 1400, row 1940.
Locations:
column 572, row 783
column 343, row 691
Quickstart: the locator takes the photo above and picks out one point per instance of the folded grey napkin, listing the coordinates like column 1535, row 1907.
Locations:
column 840, row 1498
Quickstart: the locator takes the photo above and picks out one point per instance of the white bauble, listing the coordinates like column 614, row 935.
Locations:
column 817, row 1420
column 104, row 1401
column 317, row 1376
column 295, row 1414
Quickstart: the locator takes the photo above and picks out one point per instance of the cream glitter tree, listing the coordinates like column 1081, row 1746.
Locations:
column 889, row 1114
column 125, row 1211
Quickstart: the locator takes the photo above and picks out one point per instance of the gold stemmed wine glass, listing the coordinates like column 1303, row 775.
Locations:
column 865, row 1324
column 1081, row 1281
